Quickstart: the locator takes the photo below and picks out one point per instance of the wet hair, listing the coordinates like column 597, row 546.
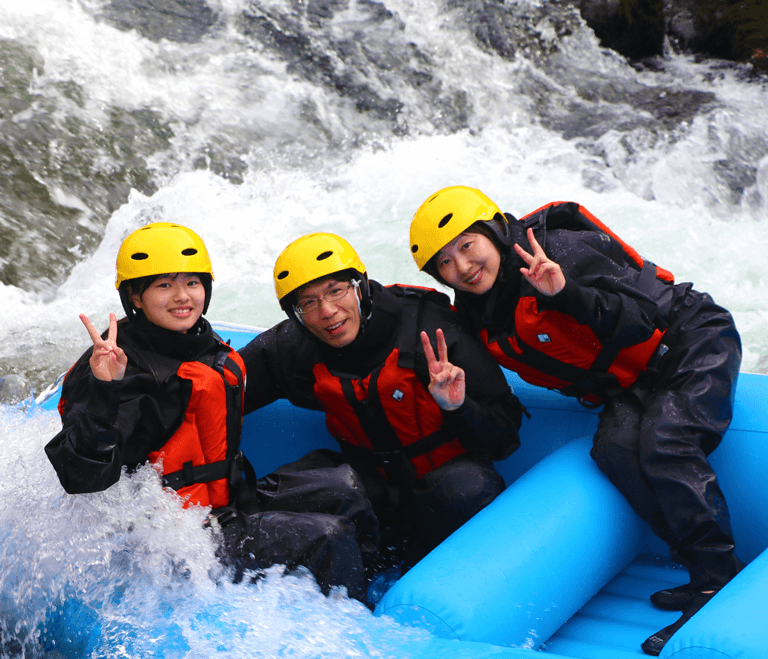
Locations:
column 139, row 285
column 482, row 227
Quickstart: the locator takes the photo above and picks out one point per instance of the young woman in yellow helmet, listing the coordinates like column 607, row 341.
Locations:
column 561, row 300
column 421, row 427
column 160, row 386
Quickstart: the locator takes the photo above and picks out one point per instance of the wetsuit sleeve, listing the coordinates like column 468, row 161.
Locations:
column 491, row 415
column 108, row 425
column 273, row 361
column 599, row 291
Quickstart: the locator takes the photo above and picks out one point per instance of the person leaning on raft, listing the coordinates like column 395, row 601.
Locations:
column 563, row 302
column 420, row 428
column 160, row 386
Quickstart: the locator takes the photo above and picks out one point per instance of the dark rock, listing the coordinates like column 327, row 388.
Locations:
column 735, row 30
column 634, row 28
column 184, row 21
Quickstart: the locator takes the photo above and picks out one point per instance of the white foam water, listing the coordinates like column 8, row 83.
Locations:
column 137, row 571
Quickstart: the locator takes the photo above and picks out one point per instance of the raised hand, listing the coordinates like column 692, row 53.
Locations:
column 544, row 274
column 108, row 361
column 446, row 381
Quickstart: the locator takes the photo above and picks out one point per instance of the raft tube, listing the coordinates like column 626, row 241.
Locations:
column 525, row 564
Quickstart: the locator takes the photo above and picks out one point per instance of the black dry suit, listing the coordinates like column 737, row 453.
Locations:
column 160, row 410
column 425, row 470
column 663, row 358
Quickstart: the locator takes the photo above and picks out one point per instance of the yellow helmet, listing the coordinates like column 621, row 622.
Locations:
column 311, row 257
column 444, row 216
column 160, row 248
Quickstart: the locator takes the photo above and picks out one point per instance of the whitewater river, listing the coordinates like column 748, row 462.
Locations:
column 253, row 123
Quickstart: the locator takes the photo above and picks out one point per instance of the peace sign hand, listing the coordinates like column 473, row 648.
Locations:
column 544, row 274
column 108, row 361
column 446, row 381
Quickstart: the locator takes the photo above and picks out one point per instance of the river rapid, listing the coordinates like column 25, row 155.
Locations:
column 253, row 123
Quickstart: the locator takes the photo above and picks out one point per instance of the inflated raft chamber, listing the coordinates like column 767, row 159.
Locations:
column 525, row 564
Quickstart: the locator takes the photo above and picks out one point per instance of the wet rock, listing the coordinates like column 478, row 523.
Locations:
column 14, row 389
column 735, row 30
column 634, row 28
column 184, row 21
column 729, row 29
column 534, row 30
column 17, row 68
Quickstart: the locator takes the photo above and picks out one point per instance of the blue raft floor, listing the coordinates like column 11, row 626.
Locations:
column 614, row 623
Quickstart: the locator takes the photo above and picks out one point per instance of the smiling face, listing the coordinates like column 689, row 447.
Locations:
column 469, row 263
column 173, row 301
column 335, row 323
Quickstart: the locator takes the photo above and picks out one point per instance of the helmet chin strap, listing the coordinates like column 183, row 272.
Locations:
column 363, row 318
column 356, row 284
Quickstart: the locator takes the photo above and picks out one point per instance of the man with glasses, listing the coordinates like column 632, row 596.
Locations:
column 420, row 427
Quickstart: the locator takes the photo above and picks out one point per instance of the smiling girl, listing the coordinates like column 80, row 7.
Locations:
column 561, row 300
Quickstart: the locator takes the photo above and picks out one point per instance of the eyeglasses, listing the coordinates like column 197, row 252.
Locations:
column 308, row 306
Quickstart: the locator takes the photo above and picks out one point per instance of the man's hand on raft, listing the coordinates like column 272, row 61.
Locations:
column 446, row 381
column 108, row 361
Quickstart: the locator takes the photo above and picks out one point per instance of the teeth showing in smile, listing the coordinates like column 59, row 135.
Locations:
column 333, row 328
column 473, row 279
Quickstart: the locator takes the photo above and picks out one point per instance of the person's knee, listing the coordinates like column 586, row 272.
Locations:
column 467, row 477
column 337, row 530
column 349, row 481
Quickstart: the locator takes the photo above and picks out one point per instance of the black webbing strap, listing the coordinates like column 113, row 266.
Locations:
column 189, row 475
column 538, row 223
column 382, row 458
column 371, row 415
column 234, row 399
column 593, row 381
column 409, row 329
column 237, row 470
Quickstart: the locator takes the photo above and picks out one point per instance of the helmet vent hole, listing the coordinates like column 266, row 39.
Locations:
column 414, row 248
column 445, row 220
column 139, row 256
column 190, row 251
column 283, row 274
column 323, row 256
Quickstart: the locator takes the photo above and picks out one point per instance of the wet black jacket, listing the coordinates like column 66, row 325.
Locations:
column 280, row 362
column 109, row 425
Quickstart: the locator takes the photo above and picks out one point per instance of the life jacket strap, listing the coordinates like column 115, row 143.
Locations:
column 237, row 470
column 382, row 458
column 190, row 475
column 409, row 329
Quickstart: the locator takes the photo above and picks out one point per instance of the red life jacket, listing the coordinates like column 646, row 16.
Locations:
column 550, row 348
column 200, row 460
column 389, row 413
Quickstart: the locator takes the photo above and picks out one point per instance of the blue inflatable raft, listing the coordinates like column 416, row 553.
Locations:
column 559, row 563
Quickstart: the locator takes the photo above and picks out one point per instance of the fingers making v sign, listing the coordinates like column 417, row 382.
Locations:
column 544, row 274
column 446, row 381
column 108, row 361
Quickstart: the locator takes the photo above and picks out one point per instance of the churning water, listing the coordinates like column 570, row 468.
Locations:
column 255, row 122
